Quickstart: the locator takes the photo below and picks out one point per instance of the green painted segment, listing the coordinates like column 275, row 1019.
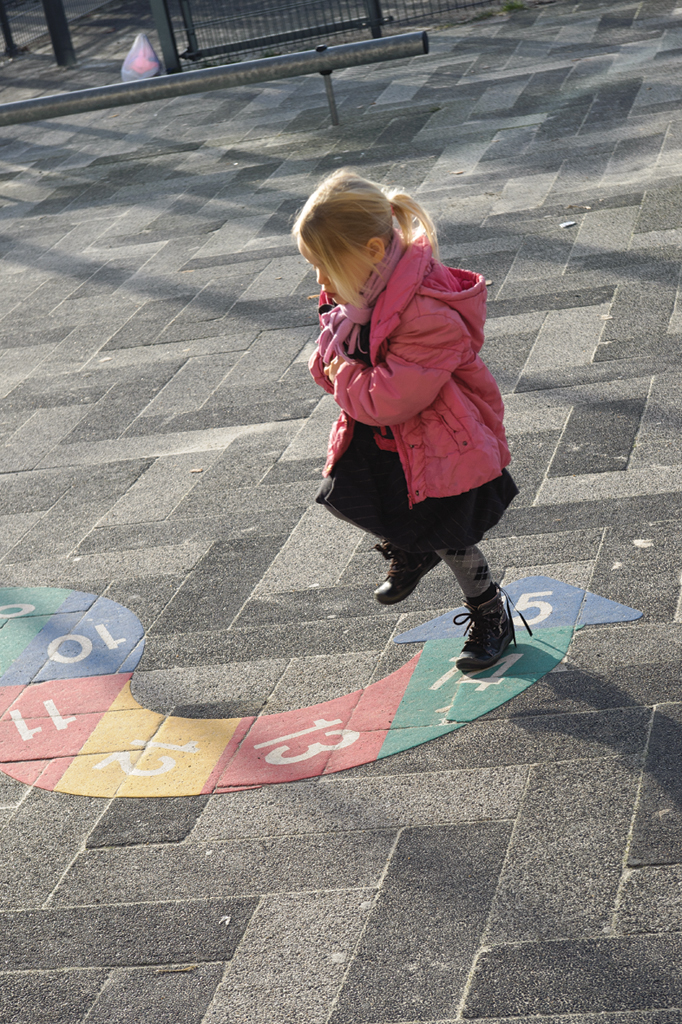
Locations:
column 45, row 600
column 517, row 669
column 16, row 635
column 405, row 739
column 422, row 706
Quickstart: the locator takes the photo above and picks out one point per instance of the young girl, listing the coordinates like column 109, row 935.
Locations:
column 417, row 455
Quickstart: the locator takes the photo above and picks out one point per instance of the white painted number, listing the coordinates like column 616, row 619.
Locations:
column 276, row 756
column 24, row 731
column 526, row 601
column 122, row 757
column 498, row 675
column 82, row 641
column 126, row 765
column 24, row 609
column 59, row 723
column 108, row 638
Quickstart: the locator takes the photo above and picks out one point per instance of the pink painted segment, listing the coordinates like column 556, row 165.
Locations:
column 235, row 789
column 55, row 719
column 25, row 771
column 81, row 696
column 292, row 745
column 372, row 718
column 53, row 773
column 227, row 754
column 8, row 694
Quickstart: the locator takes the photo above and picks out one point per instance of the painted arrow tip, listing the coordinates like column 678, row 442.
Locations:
column 546, row 603
column 598, row 610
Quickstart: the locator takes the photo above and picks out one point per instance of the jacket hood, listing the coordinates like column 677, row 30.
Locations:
column 417, row 273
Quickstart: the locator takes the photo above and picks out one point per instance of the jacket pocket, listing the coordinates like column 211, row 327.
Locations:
column 444, row 437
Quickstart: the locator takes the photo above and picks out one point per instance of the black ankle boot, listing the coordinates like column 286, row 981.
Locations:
column 404, row 574
column 490, row 629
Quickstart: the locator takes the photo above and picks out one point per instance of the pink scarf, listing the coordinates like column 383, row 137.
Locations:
column 341, row 325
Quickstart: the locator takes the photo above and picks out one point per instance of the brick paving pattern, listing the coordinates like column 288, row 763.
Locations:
column 155, row 321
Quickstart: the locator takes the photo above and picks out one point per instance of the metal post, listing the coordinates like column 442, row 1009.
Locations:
column 192, row 44
column 375, row 17
column 164, row 27
column 11, row 48
column 327, row 75
column 58, row 28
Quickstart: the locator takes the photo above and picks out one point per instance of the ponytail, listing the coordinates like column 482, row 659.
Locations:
column 406, row 211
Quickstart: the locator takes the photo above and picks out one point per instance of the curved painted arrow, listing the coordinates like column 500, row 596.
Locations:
column 69, row 722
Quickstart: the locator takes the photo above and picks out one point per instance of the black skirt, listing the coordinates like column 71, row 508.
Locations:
column 367, row 486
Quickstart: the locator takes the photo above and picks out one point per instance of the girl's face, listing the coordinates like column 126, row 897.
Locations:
column 356, row 269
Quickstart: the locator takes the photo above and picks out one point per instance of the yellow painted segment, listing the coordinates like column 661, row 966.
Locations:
column 115, row 733
column 125, row 701
column 83, row 778
column 190, row 768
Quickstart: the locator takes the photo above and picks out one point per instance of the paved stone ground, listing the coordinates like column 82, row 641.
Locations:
column 156, row 320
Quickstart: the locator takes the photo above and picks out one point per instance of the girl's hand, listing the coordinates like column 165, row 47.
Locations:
column 333, row 368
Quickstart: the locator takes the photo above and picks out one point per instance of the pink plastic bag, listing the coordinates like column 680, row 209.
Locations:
column 141, row 61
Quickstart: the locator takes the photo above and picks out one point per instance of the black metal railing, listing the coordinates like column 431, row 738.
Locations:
column 26, row 19
column 208, row 31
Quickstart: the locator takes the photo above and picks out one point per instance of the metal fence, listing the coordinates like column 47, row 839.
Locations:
column 27, row 18
column 219, row 31
column 211, row 32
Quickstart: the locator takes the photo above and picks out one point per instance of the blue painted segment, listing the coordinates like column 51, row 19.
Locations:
column 441, row 628
column 598, row 609
column 112, row 633
column 545, row 603
column 78, row 601
column 133, row 659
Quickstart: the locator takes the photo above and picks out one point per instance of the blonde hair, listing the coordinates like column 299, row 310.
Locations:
column 344, row 212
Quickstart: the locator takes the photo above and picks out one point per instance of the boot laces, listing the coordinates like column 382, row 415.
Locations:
column 480, row 623
column 397, row 558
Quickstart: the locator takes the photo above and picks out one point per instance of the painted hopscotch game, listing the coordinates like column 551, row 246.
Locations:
column 70, row 723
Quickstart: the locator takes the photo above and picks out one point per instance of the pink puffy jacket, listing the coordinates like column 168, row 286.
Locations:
column 427, row 381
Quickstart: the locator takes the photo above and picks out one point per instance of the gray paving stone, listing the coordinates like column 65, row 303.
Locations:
column 645, row 905
column 239, row 868
column 598, row 439
column 337, row 804
column 119, row 936
column 642, row 509
column 318, row 932
column 131, row 822
column 46, row 832
column 161, row 993
column 49, row 997
column 564, row 863
column 626, row 567
column 210, row 691
column 286, row 640
column 585, row 976
column 11, row 792
column 419, row 943
column 212, row 596
column 658, row 823
column 312, row 680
